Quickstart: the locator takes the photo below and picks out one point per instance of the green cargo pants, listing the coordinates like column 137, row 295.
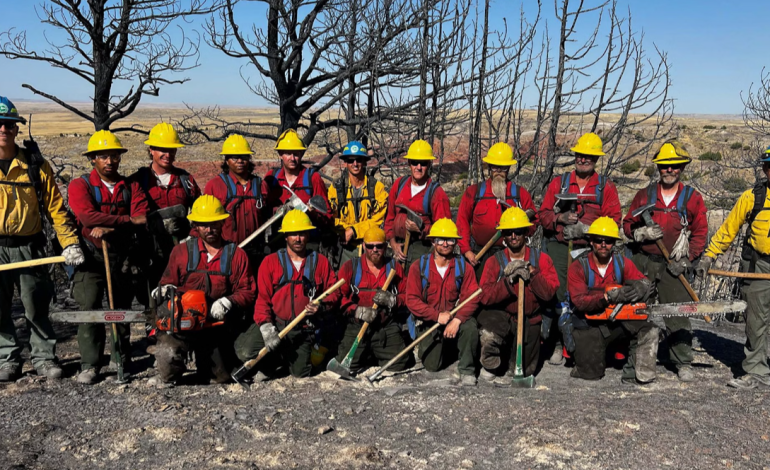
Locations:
column 293, row 353
column 558, row 253
column 35, row 290
column 756, row 293
column 670, row 290
column 381, row 342
column 416, row 249
column 89, row 287
column 436, row 352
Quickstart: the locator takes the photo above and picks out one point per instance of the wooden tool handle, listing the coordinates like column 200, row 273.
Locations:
column 31, row 263
column 107, row 272
column 489, row 245
column 385, row 286
column 280, row 213
column 682, row 279
column 405, row 248
column 520, row 326
column 717, row 272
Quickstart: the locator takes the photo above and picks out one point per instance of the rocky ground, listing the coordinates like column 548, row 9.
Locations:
column 411, row 420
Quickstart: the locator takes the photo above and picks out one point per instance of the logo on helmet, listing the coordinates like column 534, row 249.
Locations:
column 354, row 149
column 3, row 108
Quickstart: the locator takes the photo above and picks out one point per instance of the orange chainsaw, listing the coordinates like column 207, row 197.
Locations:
column 643, row 311
column 186, row 312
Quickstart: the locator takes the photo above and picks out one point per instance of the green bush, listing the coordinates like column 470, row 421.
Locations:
column 747, row 147
column 463, row 175
column 640, row 137
column 630, row 167
column 711, row 156
column 709, row 127
column 682, row 127
column 650, row 170
column 735, row 184
column 724, row 128
column 722, row 203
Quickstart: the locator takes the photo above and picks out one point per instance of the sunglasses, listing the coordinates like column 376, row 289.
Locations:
column 114, row 158
column 516, row 231
column 11, row 126
column 361, row 160
column 445, row 241
column 418, row 163
column 374, row 246
column 603, row 241
column 664, row 166
column 245, row 158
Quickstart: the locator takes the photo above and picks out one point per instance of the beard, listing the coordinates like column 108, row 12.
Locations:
column 499, row 186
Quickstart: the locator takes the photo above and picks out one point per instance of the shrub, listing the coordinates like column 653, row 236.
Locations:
column 724, row 128
column 463, row 175
column 709, row 127
column 682, row 127
column 747, row 147
column 736, row 184
column 630, row 167
column 650, row 170
column 640, row 137
column 711, row 156
column 722, row 203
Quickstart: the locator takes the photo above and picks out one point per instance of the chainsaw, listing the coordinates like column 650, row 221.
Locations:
column 643, row 311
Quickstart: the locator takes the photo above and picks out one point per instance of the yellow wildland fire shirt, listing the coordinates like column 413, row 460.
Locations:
column 371, row 210
column 19, row 208
column 759, row 239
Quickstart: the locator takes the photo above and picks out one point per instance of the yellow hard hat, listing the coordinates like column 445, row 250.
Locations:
column 444, row 228
column 374, row 235
column 604, row 227
column 512, row 218
column 207, row 208
column 164, row 136
column 104, row 140
column 317, row 355
column 589, row 144
column 296, row 221
column 420, row 150
column 500, row 154
column 289, row 140
column 672, row 152
column 236, row 145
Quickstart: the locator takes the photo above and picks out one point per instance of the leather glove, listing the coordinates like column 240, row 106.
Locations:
column 220, row 308
column 366, row 314
column 73, row 255
column 573, row 232
column 517, row 268
column 384, row 299
column 642, row 290
column 170, row 226
column 161, row 291
column 679, row 267
column 651, row 233
column 270, row 336
column 702, row 267
column 620, row 295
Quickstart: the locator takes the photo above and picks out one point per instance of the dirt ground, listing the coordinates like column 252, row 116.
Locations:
column 411, row 420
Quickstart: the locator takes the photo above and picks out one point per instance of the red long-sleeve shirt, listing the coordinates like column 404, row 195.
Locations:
column 671, row 222
column 592, row 300
column 246, row 217
column 239, row 286
column 441, row 294
column 89, row 215
column 368, row 285
column 278, row 195
column 160, row 197
column 288, row 301
column 480, row 221
column 502, row 295
column 396, row 217
column 610, row 204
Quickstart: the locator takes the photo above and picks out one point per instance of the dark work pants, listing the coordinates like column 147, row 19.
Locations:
column 591, row 348
column 503, row 325
column 436, row 351
column 380, row 342
column 294, row 351
column 213, row 354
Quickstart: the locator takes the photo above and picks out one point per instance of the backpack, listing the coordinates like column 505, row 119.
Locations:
column 599, row 188
column 358, row 273
column 34, row 161
column 287, row 274
column 681, row 201
column 225, row 262
column 96, row 194
column 534, row 260
column 618, row 263
column 307, row 181
column 760, row 196
column 341, row 186
column 232, row 191
column 184, row 180
column 481, row 190
column 429, row 191
column 425, row 272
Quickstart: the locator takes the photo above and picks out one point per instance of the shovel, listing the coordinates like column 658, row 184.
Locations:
column 114, row 326
column 343, row 370
column 519, row 381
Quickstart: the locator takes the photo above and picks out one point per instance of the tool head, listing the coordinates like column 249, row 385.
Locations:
column 339, row 369
column 578, row 252
column 239, row 375
column 172, row 212
column 296, row 203
column 412, row 215
column 318, row 204
column 641, row 210
column 574, row 196
column 523, row 382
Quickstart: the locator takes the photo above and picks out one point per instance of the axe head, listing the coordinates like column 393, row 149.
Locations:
column 172, row 212
column 339, row 369
column 318, row 204
column 412, row 215
column 296, row 203
column 641, row 210
column 574, row 197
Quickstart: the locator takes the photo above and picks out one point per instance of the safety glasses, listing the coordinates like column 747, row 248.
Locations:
column 374, row 246
column 245, row 158
column 666, row 166
column 519, row 232
column 602, row 241
column 445, row 241
column 9, row 125
column 114, row 158
column 419, row 163
column 361, row 160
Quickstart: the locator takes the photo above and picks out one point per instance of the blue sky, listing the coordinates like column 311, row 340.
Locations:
column 715, row 50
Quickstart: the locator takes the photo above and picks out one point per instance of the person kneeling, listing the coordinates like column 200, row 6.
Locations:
column 206, row 285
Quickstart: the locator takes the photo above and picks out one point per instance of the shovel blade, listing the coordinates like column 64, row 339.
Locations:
column 523, row 382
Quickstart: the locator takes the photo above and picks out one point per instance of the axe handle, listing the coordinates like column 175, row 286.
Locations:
column 489, row 245
column 405, row 248
column 717, row 272
column 569, row 254
column 682, row 279
column 262, row 227
column 414, row 343
column 115, row 336
column 365, row 326
column 32, row 262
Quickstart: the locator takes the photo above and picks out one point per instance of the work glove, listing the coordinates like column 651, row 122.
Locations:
column 220, row 308
column 128, row 266
column 567, row 218
column 651, row 233
column 517, row 268
column 679, row 267
column 642, row 290
column 73, row 255
column 702, row 267
column 366, row 314
column 270, row 336
column 573, row 232
column 384, row 299
column 161, row 291
column 170, row 226
column 530, row 214
column 621, row 295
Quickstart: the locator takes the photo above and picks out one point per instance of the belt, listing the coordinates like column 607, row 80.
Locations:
column 15, row 241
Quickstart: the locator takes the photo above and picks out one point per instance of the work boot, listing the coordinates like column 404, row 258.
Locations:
column 633, row 381
column 88, row 376
column 490, row 349
column 748, row 382
column 685, row 374
column 487, row 376
column 557, row 357
column 468, row 380
column 9, row 372
column 48, row 369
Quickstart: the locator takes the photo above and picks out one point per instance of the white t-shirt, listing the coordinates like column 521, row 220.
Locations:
column 164, row 179
column 603, row 271
column 110, row 186
column 209, row 257
column 297, row 264
column 416, row 189
column 667, row 199
column 441, row 271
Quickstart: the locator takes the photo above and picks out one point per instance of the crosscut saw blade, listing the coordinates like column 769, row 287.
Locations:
column 101, row 316
column 695, row 309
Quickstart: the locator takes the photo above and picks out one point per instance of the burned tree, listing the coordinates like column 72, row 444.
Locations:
column 123, row 48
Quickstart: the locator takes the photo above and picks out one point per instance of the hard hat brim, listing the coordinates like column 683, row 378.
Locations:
column 290, row 147
column 163, row 145
column 407, row 157
column 458, row 237
column 228, row 152
column 593, row 153
column 88, row 153
column 672, row 161
column 304, row 228
column 346, row 156
column 493, row 161
column 13, row 119
column 601, row 234
column 514, row 226
column 203, row 219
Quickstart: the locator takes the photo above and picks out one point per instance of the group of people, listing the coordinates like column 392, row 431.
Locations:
column 191, row 256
